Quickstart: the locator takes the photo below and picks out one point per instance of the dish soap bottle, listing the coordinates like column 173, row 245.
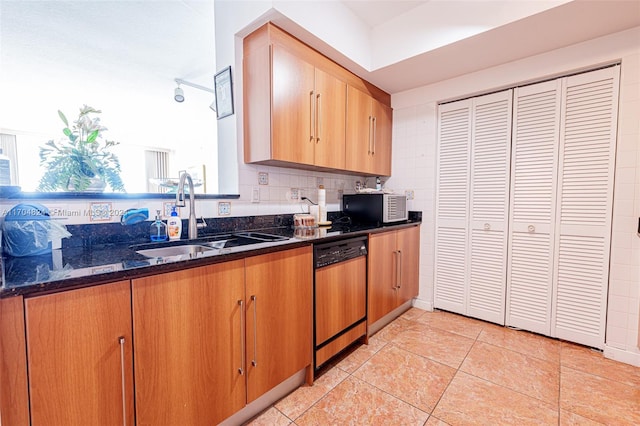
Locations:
column 158, row 229
column 175, row 225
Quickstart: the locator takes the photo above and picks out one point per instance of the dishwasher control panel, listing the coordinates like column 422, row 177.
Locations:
column 339, row 251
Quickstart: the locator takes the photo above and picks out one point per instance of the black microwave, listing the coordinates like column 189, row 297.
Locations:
column 375, row 208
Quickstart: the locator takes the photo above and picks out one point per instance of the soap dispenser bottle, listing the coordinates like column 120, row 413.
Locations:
column 175, row 225
column 158, row 230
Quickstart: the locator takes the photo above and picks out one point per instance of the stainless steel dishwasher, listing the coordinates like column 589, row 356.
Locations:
column 340, row 296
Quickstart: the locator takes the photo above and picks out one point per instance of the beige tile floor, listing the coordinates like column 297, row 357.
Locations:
column 438, row 368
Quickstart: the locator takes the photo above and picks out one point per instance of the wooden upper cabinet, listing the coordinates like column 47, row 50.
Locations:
column 295, row 105
column 330, row 108
column 279, row 313
column 382, row 129
column 359, row 123
column 368, row 134
column 293, row 108
column 188, row 345
column 79, row 352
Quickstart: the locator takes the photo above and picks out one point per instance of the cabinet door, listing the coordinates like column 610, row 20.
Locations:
column 408, row 245
column 536, row 118
column 382, row 275
column 359, row 125
column 293, row 107
column 79, row 356
column 331, row 104
column 381, row 139
column 279, row 314
column 188, row 345
column 14, row 397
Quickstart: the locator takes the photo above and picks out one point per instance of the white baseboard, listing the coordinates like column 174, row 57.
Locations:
column 423, row 304
column 627, row 357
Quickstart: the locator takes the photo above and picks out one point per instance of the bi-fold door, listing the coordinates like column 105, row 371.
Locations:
column 472, row 205
column 557, row 197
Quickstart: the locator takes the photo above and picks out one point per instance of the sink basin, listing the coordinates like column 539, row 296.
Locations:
column 212, row 243
column 261, row 236
column 243, row 239
column 191, row 250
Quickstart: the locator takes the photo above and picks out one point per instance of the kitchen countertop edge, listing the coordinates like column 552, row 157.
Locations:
column 89, row 280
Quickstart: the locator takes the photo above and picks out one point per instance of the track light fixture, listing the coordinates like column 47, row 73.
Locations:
column 178, row 93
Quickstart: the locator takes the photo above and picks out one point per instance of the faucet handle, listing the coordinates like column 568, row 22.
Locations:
column 201, row 225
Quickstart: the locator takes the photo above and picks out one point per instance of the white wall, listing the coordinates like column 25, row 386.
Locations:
column 414, row 159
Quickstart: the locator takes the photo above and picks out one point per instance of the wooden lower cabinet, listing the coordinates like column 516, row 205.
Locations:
column 14, row 396
column 79, row 353
column 205, row 341
column 211, row 339
column 279, row 291
column 393, row 270
column 188, row 329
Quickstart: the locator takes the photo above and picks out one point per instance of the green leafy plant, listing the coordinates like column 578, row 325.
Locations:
column 82, row 158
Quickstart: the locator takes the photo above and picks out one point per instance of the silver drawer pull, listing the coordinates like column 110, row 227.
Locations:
column 242, row 327
column 122, row 378
column 531, row 229
column 254, row 361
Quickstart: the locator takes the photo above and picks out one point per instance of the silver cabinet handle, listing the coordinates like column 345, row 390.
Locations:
column 122, row 378
column 370, row 134
column 396, row 254
column 311, row 115
column 399, row 266
column 254, row 361
column 375, row 128
column 318, row 119
column 487, row 226
column 242, row 329
column 531, row 228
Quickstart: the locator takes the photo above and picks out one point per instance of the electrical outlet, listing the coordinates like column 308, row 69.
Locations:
column 255, row 194
column 294, row 194
column 224, row 208
column 263, row 178
column 409, row 193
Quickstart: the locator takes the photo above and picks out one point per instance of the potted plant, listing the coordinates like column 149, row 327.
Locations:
column 81, row 161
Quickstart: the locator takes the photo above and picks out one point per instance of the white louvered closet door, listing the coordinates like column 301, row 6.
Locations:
column 489, row 205
column 536, row 121
column 454, row 147
column 585, row 197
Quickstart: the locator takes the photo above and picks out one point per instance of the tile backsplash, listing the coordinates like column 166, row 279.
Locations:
column 264, row 190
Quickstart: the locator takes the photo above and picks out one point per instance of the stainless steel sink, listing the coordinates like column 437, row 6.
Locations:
column 191, row 250
column 243, row 239
column 217, row 242
column 261, row 236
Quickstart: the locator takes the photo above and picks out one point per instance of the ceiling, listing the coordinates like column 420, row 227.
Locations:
column 162, row 40
column 374, row 13
column 503, row 31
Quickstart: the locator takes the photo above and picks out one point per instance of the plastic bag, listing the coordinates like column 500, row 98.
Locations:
column 28, row 230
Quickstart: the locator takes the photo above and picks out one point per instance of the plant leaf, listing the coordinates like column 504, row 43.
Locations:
column 93, row 135
column 67, row 131
column 63, row 118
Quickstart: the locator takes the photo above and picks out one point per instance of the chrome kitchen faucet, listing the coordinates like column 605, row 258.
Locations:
column 180, row 202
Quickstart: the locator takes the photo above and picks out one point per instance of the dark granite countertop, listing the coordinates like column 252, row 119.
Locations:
column 97, row 260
